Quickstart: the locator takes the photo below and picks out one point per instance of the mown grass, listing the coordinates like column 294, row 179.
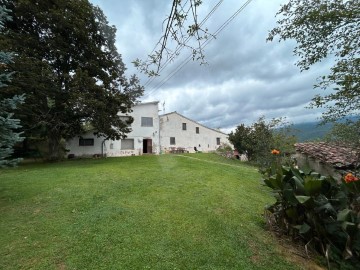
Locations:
column 148, row 212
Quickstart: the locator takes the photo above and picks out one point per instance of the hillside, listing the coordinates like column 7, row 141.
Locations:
column 311, row 131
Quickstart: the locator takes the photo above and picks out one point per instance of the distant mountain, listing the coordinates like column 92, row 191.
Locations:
column 312, row 131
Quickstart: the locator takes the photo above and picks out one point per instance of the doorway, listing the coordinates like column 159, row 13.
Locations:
column 147, row 146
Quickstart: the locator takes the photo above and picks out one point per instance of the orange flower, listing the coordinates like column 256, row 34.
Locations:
column 350, row 178
column 275, row 152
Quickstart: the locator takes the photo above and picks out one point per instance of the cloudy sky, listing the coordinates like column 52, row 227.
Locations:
column 245, row 77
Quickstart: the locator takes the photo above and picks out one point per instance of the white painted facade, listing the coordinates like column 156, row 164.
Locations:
column 178, row 131
column 144, row 137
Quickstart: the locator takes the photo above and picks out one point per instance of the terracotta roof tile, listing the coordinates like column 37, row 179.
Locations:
column 339, row 156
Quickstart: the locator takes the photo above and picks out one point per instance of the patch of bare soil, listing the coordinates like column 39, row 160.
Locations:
column 296, row 253
column 294, row 249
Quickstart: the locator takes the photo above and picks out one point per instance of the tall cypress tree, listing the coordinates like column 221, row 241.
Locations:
column 69, row 68
column 8, row 125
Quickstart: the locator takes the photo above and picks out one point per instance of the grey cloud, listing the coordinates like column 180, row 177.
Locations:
column 245, row 78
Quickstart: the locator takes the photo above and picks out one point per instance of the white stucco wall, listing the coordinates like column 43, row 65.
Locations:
column 138, row 134
column 205, row 141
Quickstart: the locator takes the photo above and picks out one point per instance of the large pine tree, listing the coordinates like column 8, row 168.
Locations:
column 8, row 125
column 69, row 68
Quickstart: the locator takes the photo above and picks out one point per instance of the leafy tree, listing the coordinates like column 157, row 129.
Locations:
column 347, row 134
column 68, row 65
column 257, row 140
column 284, row 137
column 241, row 140
column 8, row 125
column 254, row 140
column 322, row 29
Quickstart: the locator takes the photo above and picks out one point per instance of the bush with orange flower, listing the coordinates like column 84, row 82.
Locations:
column 257, row 140
column 317, row 209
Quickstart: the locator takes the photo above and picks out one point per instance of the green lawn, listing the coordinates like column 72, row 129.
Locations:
column 148, row 212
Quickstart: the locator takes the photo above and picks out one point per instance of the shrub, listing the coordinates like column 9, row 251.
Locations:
column 257, row 140
column 225, row 150
column 317, row 209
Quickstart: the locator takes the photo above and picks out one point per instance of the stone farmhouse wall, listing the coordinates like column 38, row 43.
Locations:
column 178, row 131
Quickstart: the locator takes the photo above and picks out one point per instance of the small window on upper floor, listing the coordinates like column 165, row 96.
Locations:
column 146, row 121
column 197, row 130
column 86, row 142
column 217, row 141
column 183, row 126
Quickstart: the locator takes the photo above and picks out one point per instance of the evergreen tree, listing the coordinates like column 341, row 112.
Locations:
column 68, row 65
column 8, row 125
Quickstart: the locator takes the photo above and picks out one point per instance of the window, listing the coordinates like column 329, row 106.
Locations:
column 111, row 146
column 172, row 140
column 86, row 142
column 217, row 141
column 127, row 144
column 183, row 126
column 197, row 130
column 146, row 121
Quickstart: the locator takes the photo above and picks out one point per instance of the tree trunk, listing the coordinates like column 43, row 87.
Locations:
column 55, row 151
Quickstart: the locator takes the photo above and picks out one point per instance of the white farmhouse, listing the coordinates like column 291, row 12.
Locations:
column 151, row 134
column 144, row 137
column 180, row 132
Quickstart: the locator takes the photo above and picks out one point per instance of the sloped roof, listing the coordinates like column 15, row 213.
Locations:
column 338, row 156
column 175, row 112
column 145, row 103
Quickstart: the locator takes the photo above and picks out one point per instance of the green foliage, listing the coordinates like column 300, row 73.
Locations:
column 347, row 134
column 224, row 147
column 283, row 136
column 317, row 209
column 257, row 140
column 326, row 29
column 8, row 125
column 67, row 63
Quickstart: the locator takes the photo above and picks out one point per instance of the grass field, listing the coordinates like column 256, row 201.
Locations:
column 148, row 212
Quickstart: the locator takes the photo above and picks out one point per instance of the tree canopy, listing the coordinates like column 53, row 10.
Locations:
column 67, row 64
column 323, row 29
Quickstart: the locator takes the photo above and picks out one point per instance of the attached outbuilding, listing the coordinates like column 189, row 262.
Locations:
column 181, row 134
